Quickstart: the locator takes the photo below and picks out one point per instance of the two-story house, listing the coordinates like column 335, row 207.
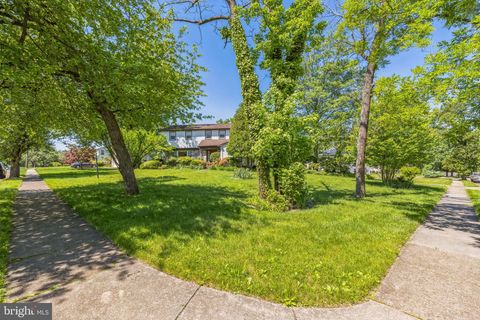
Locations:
column 198, row 140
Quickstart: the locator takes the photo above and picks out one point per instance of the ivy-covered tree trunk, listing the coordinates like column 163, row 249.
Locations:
column 363, row 130
column 252, row 97
column 120, row 149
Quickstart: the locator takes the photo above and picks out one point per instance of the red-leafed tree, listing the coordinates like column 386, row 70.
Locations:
column 79, row 154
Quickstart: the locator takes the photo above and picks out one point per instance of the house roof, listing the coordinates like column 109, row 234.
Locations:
column 214, row 126
column 212, row 143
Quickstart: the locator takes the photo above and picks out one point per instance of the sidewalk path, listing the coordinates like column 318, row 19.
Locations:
column 437, row 275
column 57, row 257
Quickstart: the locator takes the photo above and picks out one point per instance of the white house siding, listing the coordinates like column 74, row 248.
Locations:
column 223, row 152
column 198, row 136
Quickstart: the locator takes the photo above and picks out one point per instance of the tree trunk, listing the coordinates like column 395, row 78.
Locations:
column 363, row 130
column 15, row 164
column 121, row 152
column 251, row 94
column 276, row 180
column 264, row 184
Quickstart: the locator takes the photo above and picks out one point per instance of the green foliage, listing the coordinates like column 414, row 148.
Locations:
column 429, row 172
column 407, row 174
column 42, row 156
column 95, row 67
column 142, row 143
column 293, row 185
column 400, row 132
column 336, row 163
column 8, row 190
column 151, row 164
column 274, row 201
column 214, row 156
column 330, row 95
column 55, row 164
column 242, row 173
column 186, row 162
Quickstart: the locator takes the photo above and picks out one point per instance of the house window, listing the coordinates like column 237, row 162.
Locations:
column 208, row 134
column 188, row 135
column 102, row 152
column 182, row 153
column 173, row 135
column 222, row 134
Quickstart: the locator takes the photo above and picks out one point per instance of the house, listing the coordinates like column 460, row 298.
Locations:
column 198, row 140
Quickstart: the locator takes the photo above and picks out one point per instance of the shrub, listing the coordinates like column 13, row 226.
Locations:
column 428, row 172
column 55, row 164
column 406, row 176
column 214, row 156
column 225, row 162
column 293, row 185
column 172, row 162
column 152, row 164
column 242, row 173
column 184, row 161
column 274, row 201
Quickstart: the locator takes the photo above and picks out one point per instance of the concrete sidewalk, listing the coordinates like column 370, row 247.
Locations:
column 56, row 257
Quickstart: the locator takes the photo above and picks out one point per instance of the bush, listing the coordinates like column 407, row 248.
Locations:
column 225, row 162
column 55, row 164
column 152, row 164
column 171, row 162
column 428, row 172
column 184, row 161
column 242, row 173
column 406, row 176
column 274, row 201
column 214, row 156
column 293, row 185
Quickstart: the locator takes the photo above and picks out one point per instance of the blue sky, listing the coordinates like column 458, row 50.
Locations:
column 222, row 85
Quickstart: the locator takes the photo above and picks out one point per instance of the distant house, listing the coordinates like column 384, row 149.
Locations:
column 198, row 140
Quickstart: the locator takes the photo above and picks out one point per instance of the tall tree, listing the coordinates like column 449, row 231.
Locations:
column 376, row 30
column 401, row 132
column 330, row 92
column 119, row 57
column 281, row 39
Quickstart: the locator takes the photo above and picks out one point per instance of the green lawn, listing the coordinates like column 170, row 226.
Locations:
column 8, row 190
column 475, row 197
column 199, row 225
column 468, row 183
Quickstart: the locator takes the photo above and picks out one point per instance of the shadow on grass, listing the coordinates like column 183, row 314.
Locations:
column 78, row 173
column 177, row 213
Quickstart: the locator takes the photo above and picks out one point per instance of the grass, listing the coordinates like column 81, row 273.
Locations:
column 8, row 190
column 199, row 225
column 475, row 197
column 468, row 183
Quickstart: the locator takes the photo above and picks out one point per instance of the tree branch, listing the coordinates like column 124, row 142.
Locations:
column 204, row 21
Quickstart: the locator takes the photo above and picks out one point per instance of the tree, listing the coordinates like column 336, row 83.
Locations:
column 42, row 156
column 119, row 59
column 375, row 30
column 241, row 143
column 330, row 90
column 451, row 77
column 401, row 133
column 282, row 38
column 79, row 154
column 140, row 144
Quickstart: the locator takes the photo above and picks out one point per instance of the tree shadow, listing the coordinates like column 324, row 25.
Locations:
column 78, row 173
column 52, row 246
